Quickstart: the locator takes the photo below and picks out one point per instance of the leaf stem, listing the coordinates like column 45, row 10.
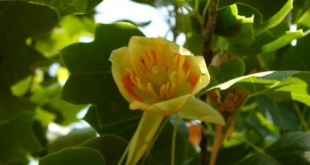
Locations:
column 196, row 14
column 250, row 144
column 124, row 155
column 300, row 116
column 205, row 9
column 174, row 135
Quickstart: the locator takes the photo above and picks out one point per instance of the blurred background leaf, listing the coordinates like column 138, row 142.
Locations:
column 73, row 156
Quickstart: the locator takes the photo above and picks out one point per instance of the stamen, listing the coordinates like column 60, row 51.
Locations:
column 151, row 90
column 164, row 90
column 159, row 73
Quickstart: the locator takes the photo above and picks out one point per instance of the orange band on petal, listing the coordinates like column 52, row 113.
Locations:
column 153, row 52
column 192, row 79
column 186, row 64
column 129, row 85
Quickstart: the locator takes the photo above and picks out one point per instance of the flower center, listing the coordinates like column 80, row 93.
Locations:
column 159, row 74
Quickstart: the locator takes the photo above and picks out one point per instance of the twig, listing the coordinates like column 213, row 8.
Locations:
column 208, row 30
column 220, row 134
column 218, row 139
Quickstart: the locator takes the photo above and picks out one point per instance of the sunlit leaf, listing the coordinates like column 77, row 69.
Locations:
column 280, row 84
column 237, row 29
column 301, row 13
column 71, row 29
column 282, row 41
column 259, row 5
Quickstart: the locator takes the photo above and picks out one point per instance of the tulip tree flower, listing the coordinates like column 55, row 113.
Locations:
column 160, row 78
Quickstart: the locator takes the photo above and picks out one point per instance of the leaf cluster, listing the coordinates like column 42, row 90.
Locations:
column 259, row 70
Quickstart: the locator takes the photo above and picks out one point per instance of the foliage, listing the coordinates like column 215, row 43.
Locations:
column 260, row 77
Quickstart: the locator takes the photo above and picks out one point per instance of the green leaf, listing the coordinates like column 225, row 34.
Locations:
column 294, row 57
column 301, row 13
column 275, row 84
column 124, row 129
column 66, row 112
column 259, row 5
column 48, row 97
column 194, row 43
column 70, row 30
column 9, row 104
column 229, row 154
column 191, row 28
column 282, row 41
column 73, row 138
column 276, row 18
column 30, row 20
column 149, row 2
column 293, row 87
column 66, row 7
column 90, row 78
column 282, row 114
column 235, row 28
column 17, row 139
column 291, row 148
column 269, row 41
column 110, row 146
column 224, row 72
column 18, row 58
column 76, row 155
column 259, row 159
column 17, row 70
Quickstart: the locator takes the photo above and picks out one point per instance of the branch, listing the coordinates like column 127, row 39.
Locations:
column 208, row 30
column 203, row 145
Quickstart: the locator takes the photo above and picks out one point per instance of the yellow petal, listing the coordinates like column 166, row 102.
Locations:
column 118, row 58
column 143, row 137
column 137, row 45
column 168, row 107
column 204, row 79
column 139, row 105
column 175, row 48
column 195, row 109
